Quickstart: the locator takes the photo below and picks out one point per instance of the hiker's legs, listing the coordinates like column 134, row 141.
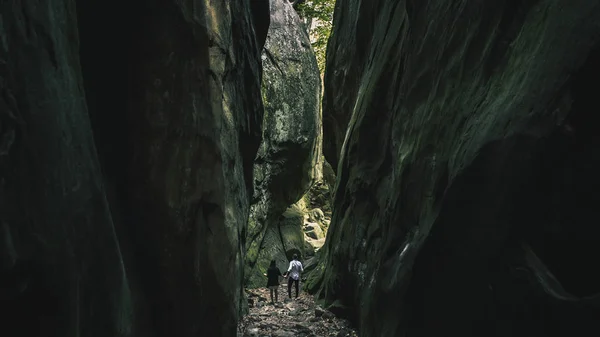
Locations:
column 290, row 281
column 275, row 290
column 297, row 283
column 271, row 292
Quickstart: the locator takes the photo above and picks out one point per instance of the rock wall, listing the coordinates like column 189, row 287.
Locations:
column 456, row 110
column 62, row 270
column 136, row 228
column 289, row 156
column 347, row 56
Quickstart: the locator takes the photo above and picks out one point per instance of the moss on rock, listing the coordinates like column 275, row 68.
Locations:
column 288, row 159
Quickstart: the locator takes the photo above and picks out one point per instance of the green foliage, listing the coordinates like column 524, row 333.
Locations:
column 318, row 15
column 319, row 9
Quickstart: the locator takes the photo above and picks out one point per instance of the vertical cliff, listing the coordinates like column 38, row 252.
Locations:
column 129, row 220
column 186, row 172
column 62, row 270
column 347, row 57
column 458, row 113
column 289, row 156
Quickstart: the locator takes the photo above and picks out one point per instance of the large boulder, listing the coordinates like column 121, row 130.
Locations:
column 136, row 228
column 289, row 156
column 456, row 121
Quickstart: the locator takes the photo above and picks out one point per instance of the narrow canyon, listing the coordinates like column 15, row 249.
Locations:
column 433, row 164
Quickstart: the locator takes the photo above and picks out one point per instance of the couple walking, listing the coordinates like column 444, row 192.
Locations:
column 293, row 275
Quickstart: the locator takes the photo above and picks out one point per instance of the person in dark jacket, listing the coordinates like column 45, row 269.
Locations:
column 273, row 274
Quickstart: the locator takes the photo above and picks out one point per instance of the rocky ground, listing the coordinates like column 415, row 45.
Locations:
column 299, row 317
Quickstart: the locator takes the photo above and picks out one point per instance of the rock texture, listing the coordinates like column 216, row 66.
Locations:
column 136, row 229
column 186, row 173
column 290, row 318
column 289, row 156
column 459, row 112
column 347, row 56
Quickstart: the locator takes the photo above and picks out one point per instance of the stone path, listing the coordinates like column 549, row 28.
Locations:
column 299, row 317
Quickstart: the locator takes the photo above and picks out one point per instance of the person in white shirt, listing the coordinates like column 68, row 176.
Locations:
column 293, row 273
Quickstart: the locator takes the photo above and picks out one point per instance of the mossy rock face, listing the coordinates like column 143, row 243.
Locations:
column 272, row 249
column 289, row 157
column 319, row 197
column 282, row 239
column 311, row 264
column 314, row 231
column 292, row 235
column 328, row 174
column 314, row 273
column 309, row 250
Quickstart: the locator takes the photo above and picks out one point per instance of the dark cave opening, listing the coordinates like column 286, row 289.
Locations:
column 564, row 200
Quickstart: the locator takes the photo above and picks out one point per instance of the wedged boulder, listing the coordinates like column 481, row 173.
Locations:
column 440, row 179
column 289, row 156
